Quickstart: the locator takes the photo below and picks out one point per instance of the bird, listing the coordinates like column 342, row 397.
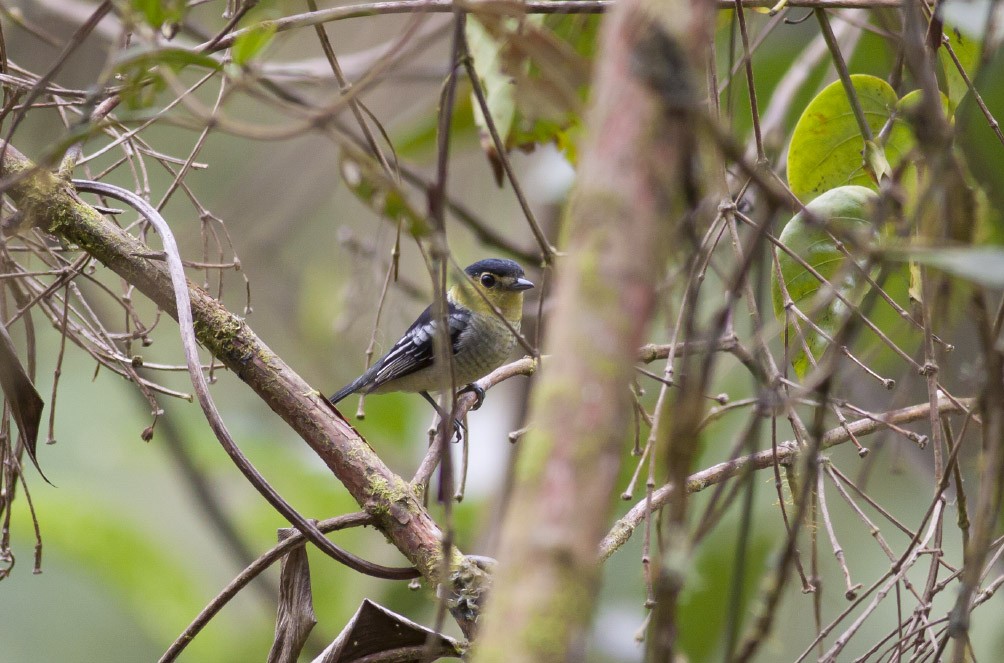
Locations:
column 479, row 339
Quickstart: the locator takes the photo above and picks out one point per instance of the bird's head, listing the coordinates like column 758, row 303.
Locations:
column 500, row 281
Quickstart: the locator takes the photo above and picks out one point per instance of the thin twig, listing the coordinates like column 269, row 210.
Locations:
column 786, row 454
column 253, row 570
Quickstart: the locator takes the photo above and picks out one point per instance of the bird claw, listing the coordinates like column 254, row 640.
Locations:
column 459, row 430
column 479, row 395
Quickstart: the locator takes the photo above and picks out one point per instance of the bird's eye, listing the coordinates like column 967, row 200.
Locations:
column 487, row 280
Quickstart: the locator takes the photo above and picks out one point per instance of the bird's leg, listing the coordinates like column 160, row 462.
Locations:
column 458, row 426
column 479, row 394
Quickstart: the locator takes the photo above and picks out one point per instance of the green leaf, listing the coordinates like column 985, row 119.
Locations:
column 983, row 265
column 703, row 626
column 827, row 149
column 151, row 10
column 158, row 12
column 417, row 140
column 580, row 31
column 902, row 141
column 844, row 213
column 910, row 102
column 978, row 141
column 83, row 529
column 876, row 162
column 967, row 50
column 252, row 42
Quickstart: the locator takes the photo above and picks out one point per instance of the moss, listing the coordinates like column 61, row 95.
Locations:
column 356, row 454
column 393, row 504
column 552, row 395
column 393, row 499
column 379, row 504
column 432, row 565
column 470, row 584
column 218, row 330
column 535, row 450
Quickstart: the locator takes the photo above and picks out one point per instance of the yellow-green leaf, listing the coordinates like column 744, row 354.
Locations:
column 252, row 42
column 967, row 50
column 844, row 213
column 827, row 149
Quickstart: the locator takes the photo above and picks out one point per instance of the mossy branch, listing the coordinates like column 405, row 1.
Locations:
column 51, row 204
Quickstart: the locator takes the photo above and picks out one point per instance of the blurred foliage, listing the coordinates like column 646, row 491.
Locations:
column 158, row 12
column 134, row 557
column 977, row 139
column 140, row 68
column 534, row 73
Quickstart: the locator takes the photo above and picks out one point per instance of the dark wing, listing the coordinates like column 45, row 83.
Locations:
column 411, row 353
column 414, row 351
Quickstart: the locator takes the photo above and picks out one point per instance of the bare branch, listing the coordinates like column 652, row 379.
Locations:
column 787, row 453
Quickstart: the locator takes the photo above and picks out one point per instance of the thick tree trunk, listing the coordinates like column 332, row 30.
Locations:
column 629, row 196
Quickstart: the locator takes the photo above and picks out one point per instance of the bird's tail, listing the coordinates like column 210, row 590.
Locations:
column 350, row 388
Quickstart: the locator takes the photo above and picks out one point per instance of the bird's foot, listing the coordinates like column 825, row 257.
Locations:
column 479, row 394
column 459, row 430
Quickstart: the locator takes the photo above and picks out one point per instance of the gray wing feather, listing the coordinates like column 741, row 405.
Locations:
column 411, row 353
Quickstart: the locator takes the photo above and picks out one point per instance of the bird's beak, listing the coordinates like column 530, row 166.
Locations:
column 522, row 284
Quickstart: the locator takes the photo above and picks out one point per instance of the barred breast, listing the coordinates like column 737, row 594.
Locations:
column 478, row 359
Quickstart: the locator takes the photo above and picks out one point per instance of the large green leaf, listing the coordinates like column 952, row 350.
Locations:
column 82, row 530
column 416, row 139
column 844, row 214
column 979, row 141
column 827, row 149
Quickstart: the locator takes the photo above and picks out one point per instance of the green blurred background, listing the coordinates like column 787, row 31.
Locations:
column 129, row 557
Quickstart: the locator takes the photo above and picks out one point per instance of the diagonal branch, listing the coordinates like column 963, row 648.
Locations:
column 389, row 499
column 201, row 386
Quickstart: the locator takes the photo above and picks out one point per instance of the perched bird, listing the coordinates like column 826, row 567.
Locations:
column 480, row 340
